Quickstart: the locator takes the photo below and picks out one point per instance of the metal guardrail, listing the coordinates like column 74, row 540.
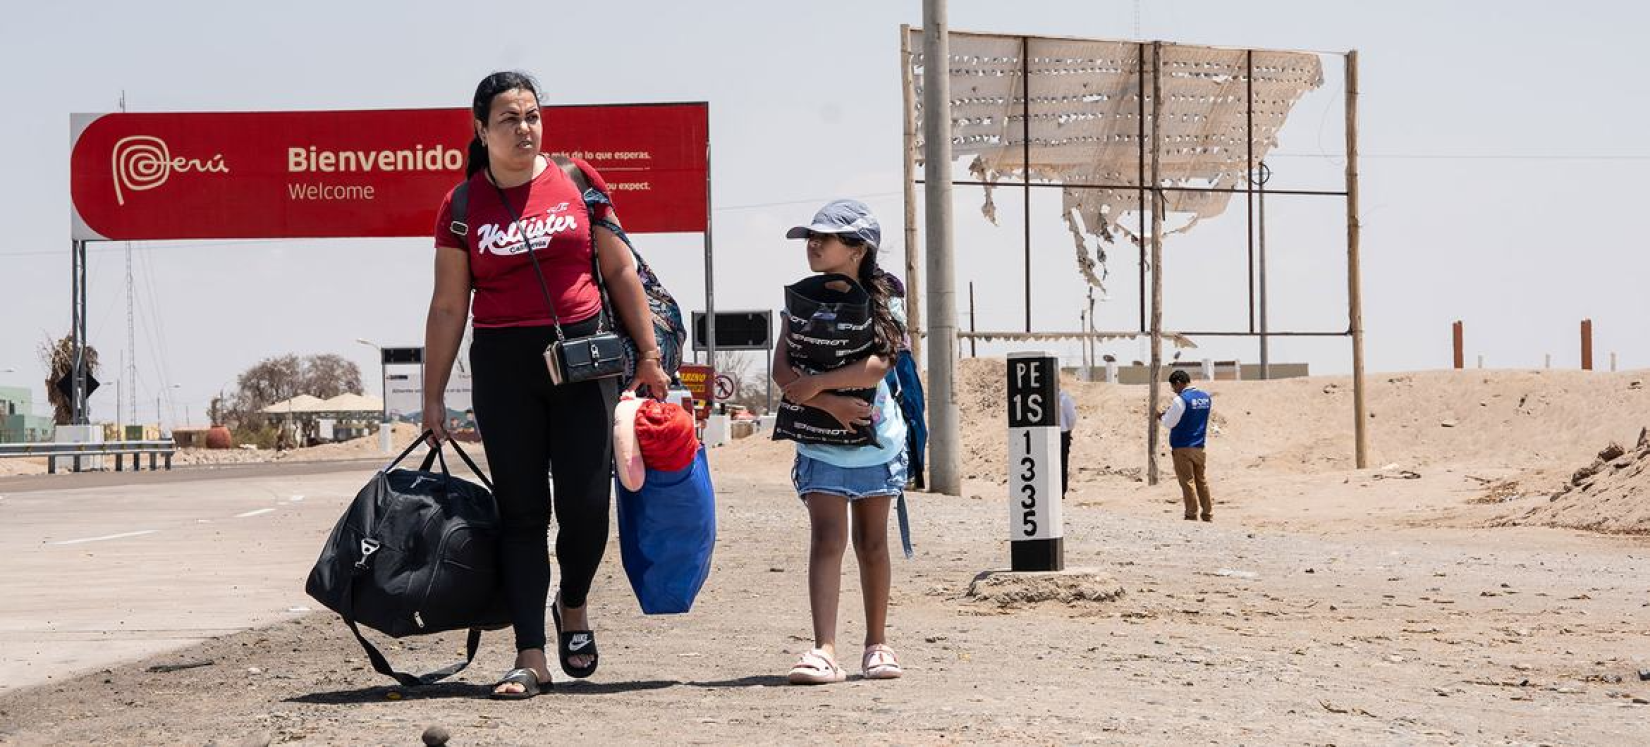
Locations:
column 75, row 451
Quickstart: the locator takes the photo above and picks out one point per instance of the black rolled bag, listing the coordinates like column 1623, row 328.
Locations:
column 825, row 329
column 415, row 553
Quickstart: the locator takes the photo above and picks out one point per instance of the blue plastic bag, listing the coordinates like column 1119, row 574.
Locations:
column 667, row 532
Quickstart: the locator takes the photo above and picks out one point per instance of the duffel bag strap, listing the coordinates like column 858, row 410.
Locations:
column 382, row 665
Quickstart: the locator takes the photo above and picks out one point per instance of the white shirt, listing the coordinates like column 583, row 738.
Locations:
column 1177, row 409
column 1068, row 412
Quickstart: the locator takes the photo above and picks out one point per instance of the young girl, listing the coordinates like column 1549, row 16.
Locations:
column 835, row 481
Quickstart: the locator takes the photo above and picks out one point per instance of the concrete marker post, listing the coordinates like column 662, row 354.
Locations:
column 1036, row 528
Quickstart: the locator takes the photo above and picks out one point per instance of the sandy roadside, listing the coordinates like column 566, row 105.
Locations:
column 1227, row 634
column 1324, row 605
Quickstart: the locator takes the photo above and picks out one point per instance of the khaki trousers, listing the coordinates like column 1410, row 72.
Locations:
column 1189, row 467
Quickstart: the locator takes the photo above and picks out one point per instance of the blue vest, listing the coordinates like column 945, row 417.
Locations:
column 1194, row 422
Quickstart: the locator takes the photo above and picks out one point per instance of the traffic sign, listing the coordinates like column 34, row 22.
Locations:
column 736, row 330
column 726, row 387
column 65, row 385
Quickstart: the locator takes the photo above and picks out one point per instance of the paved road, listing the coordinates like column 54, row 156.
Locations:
column 68, row 480
column 107, row 567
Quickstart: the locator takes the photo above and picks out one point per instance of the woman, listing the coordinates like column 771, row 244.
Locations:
column 518, row 198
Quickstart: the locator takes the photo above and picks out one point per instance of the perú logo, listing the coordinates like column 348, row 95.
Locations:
column 142, row 162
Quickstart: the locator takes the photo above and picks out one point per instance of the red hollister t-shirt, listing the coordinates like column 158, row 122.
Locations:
column 552, row 213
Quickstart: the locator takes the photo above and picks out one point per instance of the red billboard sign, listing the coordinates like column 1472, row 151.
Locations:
column 215, row 175
column 697, row 378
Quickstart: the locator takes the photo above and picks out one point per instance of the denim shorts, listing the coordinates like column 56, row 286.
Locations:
column 814, row 476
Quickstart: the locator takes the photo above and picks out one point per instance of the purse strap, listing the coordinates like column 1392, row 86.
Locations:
column 582, row 184
column 577, row 176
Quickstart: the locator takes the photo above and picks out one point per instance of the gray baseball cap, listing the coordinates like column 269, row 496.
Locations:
column 845, row 218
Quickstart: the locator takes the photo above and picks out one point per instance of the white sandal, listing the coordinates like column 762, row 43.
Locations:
column 816, row 668
column 880, row 663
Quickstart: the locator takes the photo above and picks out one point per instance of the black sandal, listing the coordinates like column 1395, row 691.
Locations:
column 527, row 678
column 573, row 643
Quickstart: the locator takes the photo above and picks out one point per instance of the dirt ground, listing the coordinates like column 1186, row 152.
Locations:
column 1325, row 605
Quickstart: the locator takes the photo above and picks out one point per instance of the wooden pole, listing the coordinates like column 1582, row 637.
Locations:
column 1025, row 159
column 913, row 297
column 1157, row 264
column 972, row 351
column 1586, row 344
column 1094, row 351
column 1460, row 345
column 1354, row 276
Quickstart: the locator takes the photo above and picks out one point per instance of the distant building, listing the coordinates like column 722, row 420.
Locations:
column 1140, row 373
column 18, row 423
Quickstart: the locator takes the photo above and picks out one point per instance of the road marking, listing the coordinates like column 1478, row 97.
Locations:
column 107, row 537
column 254, row 513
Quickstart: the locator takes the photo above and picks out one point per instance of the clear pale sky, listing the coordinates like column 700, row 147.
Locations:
column 1501, row 184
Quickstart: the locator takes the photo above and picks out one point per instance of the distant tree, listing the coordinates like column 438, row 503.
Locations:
column 58, row 356
column 269, row 381
column 278, row 379
column 328, row 375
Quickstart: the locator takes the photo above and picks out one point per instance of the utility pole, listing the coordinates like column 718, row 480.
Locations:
column 130, row 361
column 944, row 455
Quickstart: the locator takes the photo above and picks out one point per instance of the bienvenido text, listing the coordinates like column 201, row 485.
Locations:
column 313, row 160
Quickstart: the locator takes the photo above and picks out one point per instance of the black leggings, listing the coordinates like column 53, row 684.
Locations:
column 531, row 427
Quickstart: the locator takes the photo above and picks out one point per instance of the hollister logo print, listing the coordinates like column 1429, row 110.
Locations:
column 507, row 240
column 143, row 162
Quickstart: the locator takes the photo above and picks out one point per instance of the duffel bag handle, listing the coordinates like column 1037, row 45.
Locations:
column 431, row 456
column 406, row 451
column 468, row 462
column 435, row 453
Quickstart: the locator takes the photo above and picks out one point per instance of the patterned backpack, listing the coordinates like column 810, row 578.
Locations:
column 668, row 329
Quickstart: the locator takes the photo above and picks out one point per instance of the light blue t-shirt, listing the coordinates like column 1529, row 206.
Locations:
column 889, row 426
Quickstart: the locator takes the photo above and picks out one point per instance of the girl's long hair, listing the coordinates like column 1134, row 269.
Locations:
column 876, row 284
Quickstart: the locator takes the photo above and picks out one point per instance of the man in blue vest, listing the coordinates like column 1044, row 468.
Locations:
column 1187, row 419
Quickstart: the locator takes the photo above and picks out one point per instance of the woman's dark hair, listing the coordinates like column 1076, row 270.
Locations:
column 481, row 107
column 875, row 282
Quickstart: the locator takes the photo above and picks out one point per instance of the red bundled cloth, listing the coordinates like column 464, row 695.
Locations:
column 664, row 435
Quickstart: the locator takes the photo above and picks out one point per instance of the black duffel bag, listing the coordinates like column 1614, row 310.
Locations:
column 415, row 553
column 826, row 328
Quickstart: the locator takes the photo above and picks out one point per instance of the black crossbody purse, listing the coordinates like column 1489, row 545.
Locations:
column 574, row 359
